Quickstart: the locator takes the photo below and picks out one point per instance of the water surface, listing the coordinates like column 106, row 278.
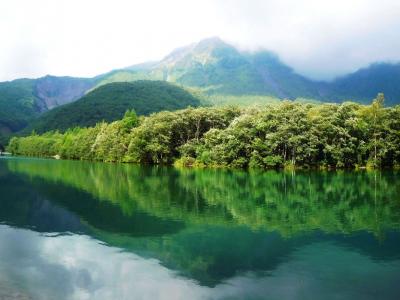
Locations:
column 81, row 230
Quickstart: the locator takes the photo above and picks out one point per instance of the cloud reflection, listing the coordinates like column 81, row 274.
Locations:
column 35, row 266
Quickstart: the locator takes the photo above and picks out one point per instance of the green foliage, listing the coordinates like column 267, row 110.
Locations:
column 159, row 137
column 241, row 100
column 130, row 119
column 284, row 135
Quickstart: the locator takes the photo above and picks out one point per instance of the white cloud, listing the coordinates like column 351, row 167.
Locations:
column 320, row 38
column 85, row 38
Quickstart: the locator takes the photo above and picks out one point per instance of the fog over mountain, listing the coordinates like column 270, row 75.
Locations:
column 318, row 39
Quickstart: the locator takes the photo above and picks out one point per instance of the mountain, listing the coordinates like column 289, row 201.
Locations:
column 54, row 91
column 219, row 70
column 109, row 102
column 211, row 67
column 364, row 84
column 23, row 100
column 17, row 106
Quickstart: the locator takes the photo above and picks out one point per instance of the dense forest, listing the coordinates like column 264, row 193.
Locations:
column 282, row 135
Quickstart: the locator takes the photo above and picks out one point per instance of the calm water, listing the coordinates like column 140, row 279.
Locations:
column 79, row 230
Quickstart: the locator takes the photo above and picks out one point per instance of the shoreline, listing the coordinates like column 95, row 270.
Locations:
column 213, row 167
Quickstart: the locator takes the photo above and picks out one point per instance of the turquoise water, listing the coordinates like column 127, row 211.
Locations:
column 81, row 230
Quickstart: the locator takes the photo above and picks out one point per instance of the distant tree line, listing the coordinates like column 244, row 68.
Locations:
column 282, row 135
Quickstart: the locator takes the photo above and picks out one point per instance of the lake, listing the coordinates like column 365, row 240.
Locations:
column 83, row 230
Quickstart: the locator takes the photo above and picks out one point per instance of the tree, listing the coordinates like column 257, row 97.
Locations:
column 377, row 112
column 285, row 134
column 130, row 120
column 374, row 115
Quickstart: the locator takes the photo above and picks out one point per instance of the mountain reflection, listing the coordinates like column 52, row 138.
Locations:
column 226, row 232
column 77, row 267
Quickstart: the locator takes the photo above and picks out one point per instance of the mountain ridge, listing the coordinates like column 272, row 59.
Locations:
column 187, row 66
column 204, row 64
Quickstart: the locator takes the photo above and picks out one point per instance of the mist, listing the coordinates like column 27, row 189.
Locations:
column 319, row 39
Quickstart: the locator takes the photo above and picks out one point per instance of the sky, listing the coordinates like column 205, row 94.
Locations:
column 318, row 39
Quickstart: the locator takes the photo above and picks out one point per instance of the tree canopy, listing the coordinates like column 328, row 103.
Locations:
column 282, row 135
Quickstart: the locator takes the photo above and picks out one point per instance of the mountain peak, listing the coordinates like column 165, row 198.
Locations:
column 214, row 41
column 201, row 52
column 208, row 45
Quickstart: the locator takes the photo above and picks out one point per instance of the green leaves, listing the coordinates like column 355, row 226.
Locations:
column 283, row 135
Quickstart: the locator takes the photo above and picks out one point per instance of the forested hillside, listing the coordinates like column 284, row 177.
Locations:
column 17, row 107
column 367, row 82
column 282, row 135
column 109, row 103
column 23, row 100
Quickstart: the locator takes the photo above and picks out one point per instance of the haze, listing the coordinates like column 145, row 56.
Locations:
column 319, row 39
